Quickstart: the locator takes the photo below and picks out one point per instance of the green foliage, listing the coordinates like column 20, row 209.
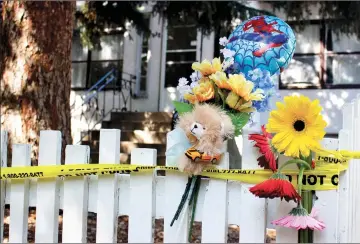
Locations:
column 182, row 108
column 239, row 120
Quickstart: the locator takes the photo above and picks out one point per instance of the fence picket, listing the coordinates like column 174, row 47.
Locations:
column 283, row 234
column 108, row 195
column 175, row 183
column 253, row 208
column 19, row 197
column 356, row 171
column 142, row 198
column 3, row 163
column 75, row 206
column 327, row 204
column 48, row 197
column 214, row 216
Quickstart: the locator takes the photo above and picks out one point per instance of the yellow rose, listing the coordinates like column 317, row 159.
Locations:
column 236, row 102
column 220, row 80
column 240, row 86
column 206, row 68
column 201, row 93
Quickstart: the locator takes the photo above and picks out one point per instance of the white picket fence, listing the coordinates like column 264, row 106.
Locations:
column 144, row 197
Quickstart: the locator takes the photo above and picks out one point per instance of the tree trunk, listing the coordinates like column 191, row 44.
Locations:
column 35, row 70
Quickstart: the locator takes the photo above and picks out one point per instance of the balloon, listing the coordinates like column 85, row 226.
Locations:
column 263, row 42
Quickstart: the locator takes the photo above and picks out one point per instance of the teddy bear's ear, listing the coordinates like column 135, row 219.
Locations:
column 227, row 127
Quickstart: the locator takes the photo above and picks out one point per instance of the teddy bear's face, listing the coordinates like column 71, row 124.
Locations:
column 208, row 124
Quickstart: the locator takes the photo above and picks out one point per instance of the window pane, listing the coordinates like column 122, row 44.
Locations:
column 344, row 43
column 78, row 52
column 303, row 70
column 181, row 37
column 111, row 48
column 181, row 56
column 78, row 75
column 174, row 71
column 100, row 69
column 308, row 40
column 343, row 69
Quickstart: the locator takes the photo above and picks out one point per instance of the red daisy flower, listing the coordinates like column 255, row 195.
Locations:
column 263, row 142
column 277, row 186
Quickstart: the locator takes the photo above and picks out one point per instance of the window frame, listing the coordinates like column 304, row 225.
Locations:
column 89, row 62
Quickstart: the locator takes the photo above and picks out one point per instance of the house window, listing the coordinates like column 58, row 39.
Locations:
column 145, row 56
column 79, row 57
column 323, row 60
column 180, row 53
column 90, row 66
column 342, row 60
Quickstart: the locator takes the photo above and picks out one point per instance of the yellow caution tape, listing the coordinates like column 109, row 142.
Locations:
column 323, row 178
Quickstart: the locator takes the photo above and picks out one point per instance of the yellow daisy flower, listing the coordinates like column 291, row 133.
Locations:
column 202, row 92
column 240, row 86
column 298, row 126
column 220, row 80
column 206, row 68
column 235, row 102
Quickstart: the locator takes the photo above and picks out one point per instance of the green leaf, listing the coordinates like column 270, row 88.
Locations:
column 239, row 120
column 182, row 107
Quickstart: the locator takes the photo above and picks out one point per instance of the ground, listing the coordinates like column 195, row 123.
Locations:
column 122, row 235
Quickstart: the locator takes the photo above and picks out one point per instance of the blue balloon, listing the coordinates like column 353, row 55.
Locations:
column 263, row 42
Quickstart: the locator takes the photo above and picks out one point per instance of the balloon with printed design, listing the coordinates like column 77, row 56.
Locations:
column 263, row 42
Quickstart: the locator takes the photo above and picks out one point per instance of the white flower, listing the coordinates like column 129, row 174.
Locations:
column 227, row 53
column 193, row 84
column 195, row 76
column 227, row 63
column 223, row 41
column 256, row 74
column 183, row 81
column 183, row 89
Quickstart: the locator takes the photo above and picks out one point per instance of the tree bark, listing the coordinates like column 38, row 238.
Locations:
column 35, row 70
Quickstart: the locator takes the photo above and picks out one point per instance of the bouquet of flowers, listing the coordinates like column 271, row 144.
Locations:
column 238, row 94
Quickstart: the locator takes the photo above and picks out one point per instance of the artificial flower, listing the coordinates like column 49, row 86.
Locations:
column 183, row 81
column 243, row 88
column 299, row 218
column 263, row 142
column 298, row 125
column 276, row 186
column 220, row 80
column 201, row 93
column 227, row 53
column 237, row 103
column 227, row 63
column 195, row 76
column 206, row 68
column 223, row 41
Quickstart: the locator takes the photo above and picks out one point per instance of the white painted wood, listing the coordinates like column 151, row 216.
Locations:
column 3, row 163
column 253, row 208
column 327, row 204
column 75, row 203
column 142, row 198
column 47, row 209
column 19, row 198
column 343, row 210
column 214, row 218
column 356, row 184
column 345, row 190
column 285, row 235
column 175, row 183
column 107, row 199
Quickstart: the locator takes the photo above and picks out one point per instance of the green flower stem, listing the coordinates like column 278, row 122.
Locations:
column 193, row 200
column 301, row 174
column 295, row 161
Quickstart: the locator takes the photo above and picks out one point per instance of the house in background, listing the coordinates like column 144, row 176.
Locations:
column 140, row 75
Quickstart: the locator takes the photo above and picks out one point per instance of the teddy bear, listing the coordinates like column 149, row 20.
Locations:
column 207, row 128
